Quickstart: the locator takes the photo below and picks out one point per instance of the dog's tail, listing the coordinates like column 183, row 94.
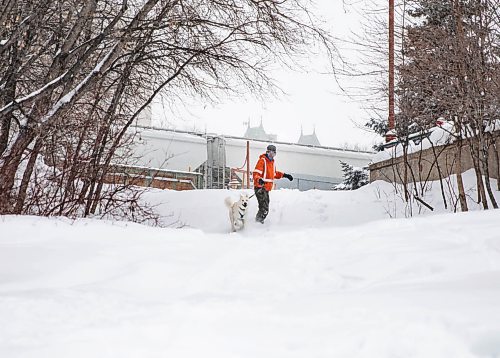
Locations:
column 228, row 202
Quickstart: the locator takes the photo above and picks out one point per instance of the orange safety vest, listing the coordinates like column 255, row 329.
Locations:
column 266, row 170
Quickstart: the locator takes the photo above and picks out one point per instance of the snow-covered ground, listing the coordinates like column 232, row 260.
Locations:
column 328, row 275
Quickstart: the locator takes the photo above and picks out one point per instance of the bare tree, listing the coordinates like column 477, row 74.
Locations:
column 74, row 76
column 451, row 72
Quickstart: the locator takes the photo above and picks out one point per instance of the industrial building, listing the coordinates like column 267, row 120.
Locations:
column 187, row 160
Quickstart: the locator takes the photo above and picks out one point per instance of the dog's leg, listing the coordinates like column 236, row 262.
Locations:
column 231, row 220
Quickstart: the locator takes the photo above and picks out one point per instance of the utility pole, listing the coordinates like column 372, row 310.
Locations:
column 248, row 164
column 391, row 123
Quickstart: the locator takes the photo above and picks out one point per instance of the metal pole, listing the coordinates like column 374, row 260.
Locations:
column 248, row 164
column 221, row 150
column 391, row 123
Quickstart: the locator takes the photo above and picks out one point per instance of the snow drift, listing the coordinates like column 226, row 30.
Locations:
column 328, row 275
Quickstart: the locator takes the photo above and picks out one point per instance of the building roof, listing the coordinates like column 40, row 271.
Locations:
column 259, row 133
column 309, row 139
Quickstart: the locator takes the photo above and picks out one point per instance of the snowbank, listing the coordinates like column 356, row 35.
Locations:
column 327, row 275
column 292, row 210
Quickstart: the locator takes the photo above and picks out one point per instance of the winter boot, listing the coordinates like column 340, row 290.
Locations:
column 259, row 219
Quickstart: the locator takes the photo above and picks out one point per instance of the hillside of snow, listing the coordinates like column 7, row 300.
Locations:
column 291, row 209
column 330, row 274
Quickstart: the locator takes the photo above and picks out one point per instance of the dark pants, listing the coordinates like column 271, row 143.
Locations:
column 263, row 199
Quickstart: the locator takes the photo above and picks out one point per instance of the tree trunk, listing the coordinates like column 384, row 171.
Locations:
column 460, row 182
column 486, row 170
column 8, row 95
column 21, row 197
column 4, row 133
column 405, row 172
column 9, row 168
column 497, row 160
column 438, row 167
column 481, row 191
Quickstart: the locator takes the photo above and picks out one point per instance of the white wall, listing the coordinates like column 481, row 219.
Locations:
column 170, row 150
column 181, row 151
column 296, row 159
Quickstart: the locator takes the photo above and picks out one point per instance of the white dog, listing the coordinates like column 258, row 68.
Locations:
column 237, row 211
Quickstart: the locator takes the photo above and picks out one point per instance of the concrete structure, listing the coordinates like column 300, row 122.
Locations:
column 166, row 149
column 312, row 167
column 432, row 163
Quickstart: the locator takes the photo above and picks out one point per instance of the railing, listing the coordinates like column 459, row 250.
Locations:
column 157, row 178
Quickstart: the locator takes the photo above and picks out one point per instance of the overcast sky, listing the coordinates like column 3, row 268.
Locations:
column 313, row 101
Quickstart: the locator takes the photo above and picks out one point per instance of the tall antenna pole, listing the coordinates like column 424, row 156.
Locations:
column 391, row 71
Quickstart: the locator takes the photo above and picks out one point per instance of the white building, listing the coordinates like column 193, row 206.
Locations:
column 312, row 166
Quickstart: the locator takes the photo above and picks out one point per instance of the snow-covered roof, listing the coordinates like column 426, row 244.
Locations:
column 443, row 133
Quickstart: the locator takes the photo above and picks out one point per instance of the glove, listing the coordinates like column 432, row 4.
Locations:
column 288, row 176
column 261, row 181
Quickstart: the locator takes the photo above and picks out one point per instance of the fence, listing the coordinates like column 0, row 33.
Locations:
column 155, row 178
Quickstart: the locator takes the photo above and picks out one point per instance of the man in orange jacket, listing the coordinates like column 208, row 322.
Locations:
column 263, row 177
